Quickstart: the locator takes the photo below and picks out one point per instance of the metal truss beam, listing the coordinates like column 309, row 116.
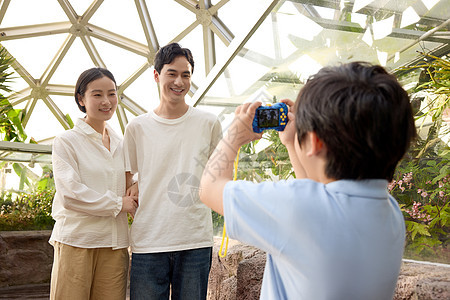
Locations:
column 189, row 4
column 209, row 49
column 131, row 106
column 214, row 9
column 26, row 148
column 69, row 11
column 20, row 96
column 19, row 32
column 92, row 50
column 29, row 108
column 233, row 49
column 257, row 58
column 117, row 40
column 396, row 32
column 122, row 117
column 56, row 112
column 409, row 67
column 133, row 77
column 368, row 10
column 193, row 89
column 48, row 73
column 205, row 19
column 222, row 31
column 276, row 37
column 23, row 72
column 185, row 32
column 90, row 11
column 60, row 89
column 147, row 25
column 424, row 37
column 3, row 7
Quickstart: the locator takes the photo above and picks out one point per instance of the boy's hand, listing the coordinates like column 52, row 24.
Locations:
column 241, row 130
column 287, row 136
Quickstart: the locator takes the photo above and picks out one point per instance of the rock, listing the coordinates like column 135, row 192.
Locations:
column 423, row 281
column 26, row 257
column 238, row 275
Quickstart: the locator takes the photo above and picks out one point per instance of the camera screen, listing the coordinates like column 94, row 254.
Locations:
column 268, row 118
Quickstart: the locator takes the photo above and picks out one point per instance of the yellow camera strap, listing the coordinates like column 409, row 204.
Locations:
column 223, row 252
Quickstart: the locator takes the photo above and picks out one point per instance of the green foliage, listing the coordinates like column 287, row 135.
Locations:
column 218, row 221
column 46, row 182
column 271, row 163
column 11, row 127
column 422, row 188
column 422, row 181
column 5, row 73
column 27, row 211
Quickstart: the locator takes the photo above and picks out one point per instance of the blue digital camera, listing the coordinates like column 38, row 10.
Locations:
column 270, row 117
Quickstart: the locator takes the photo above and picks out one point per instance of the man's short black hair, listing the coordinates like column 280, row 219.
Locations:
column 87, row 77
column 363, row 116
column 168, row 53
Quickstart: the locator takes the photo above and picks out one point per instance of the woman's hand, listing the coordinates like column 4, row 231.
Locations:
column 130, row 204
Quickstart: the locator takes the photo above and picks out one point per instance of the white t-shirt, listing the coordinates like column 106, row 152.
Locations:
column 169, row 156
column 342, row 240
column 90, row 183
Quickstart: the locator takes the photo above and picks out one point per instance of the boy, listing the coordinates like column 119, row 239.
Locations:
column 334, row 232
column 171, row 235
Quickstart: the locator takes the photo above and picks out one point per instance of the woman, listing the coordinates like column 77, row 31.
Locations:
column 90, row 236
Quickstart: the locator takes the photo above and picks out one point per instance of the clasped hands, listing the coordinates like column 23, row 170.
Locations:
column 130, row 201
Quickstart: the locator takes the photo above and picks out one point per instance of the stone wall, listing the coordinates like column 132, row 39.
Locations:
column 26, row 258
column 423, row 281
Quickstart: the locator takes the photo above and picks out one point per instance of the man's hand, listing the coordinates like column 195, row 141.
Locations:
column 130, row 204
column 133, row 190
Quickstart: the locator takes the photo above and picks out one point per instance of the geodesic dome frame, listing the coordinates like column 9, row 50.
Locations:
column 257, row 49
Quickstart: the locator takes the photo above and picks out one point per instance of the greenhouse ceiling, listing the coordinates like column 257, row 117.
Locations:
column 243, row 50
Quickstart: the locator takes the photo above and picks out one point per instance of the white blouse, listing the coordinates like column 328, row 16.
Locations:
column 90, row 183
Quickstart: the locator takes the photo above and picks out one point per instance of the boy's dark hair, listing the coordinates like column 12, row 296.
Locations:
column 363, row 116
column 87, row 77
column 168, row 53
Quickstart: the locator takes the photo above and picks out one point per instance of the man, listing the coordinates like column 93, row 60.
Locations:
column 171, row 235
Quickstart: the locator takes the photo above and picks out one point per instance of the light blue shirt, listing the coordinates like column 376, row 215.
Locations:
column 342, row 240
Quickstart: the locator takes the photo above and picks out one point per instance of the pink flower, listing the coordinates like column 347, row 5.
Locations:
column 441, row 194
column 391, row 185
column 424, row 194
column 407, row 177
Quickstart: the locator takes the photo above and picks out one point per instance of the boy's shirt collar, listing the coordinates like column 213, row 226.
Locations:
column 372, row 188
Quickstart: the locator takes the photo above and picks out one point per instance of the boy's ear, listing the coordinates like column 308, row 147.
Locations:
column 316, row 144
column 156, row 75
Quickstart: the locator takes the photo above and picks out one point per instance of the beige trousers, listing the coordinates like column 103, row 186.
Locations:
column 89, row 274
